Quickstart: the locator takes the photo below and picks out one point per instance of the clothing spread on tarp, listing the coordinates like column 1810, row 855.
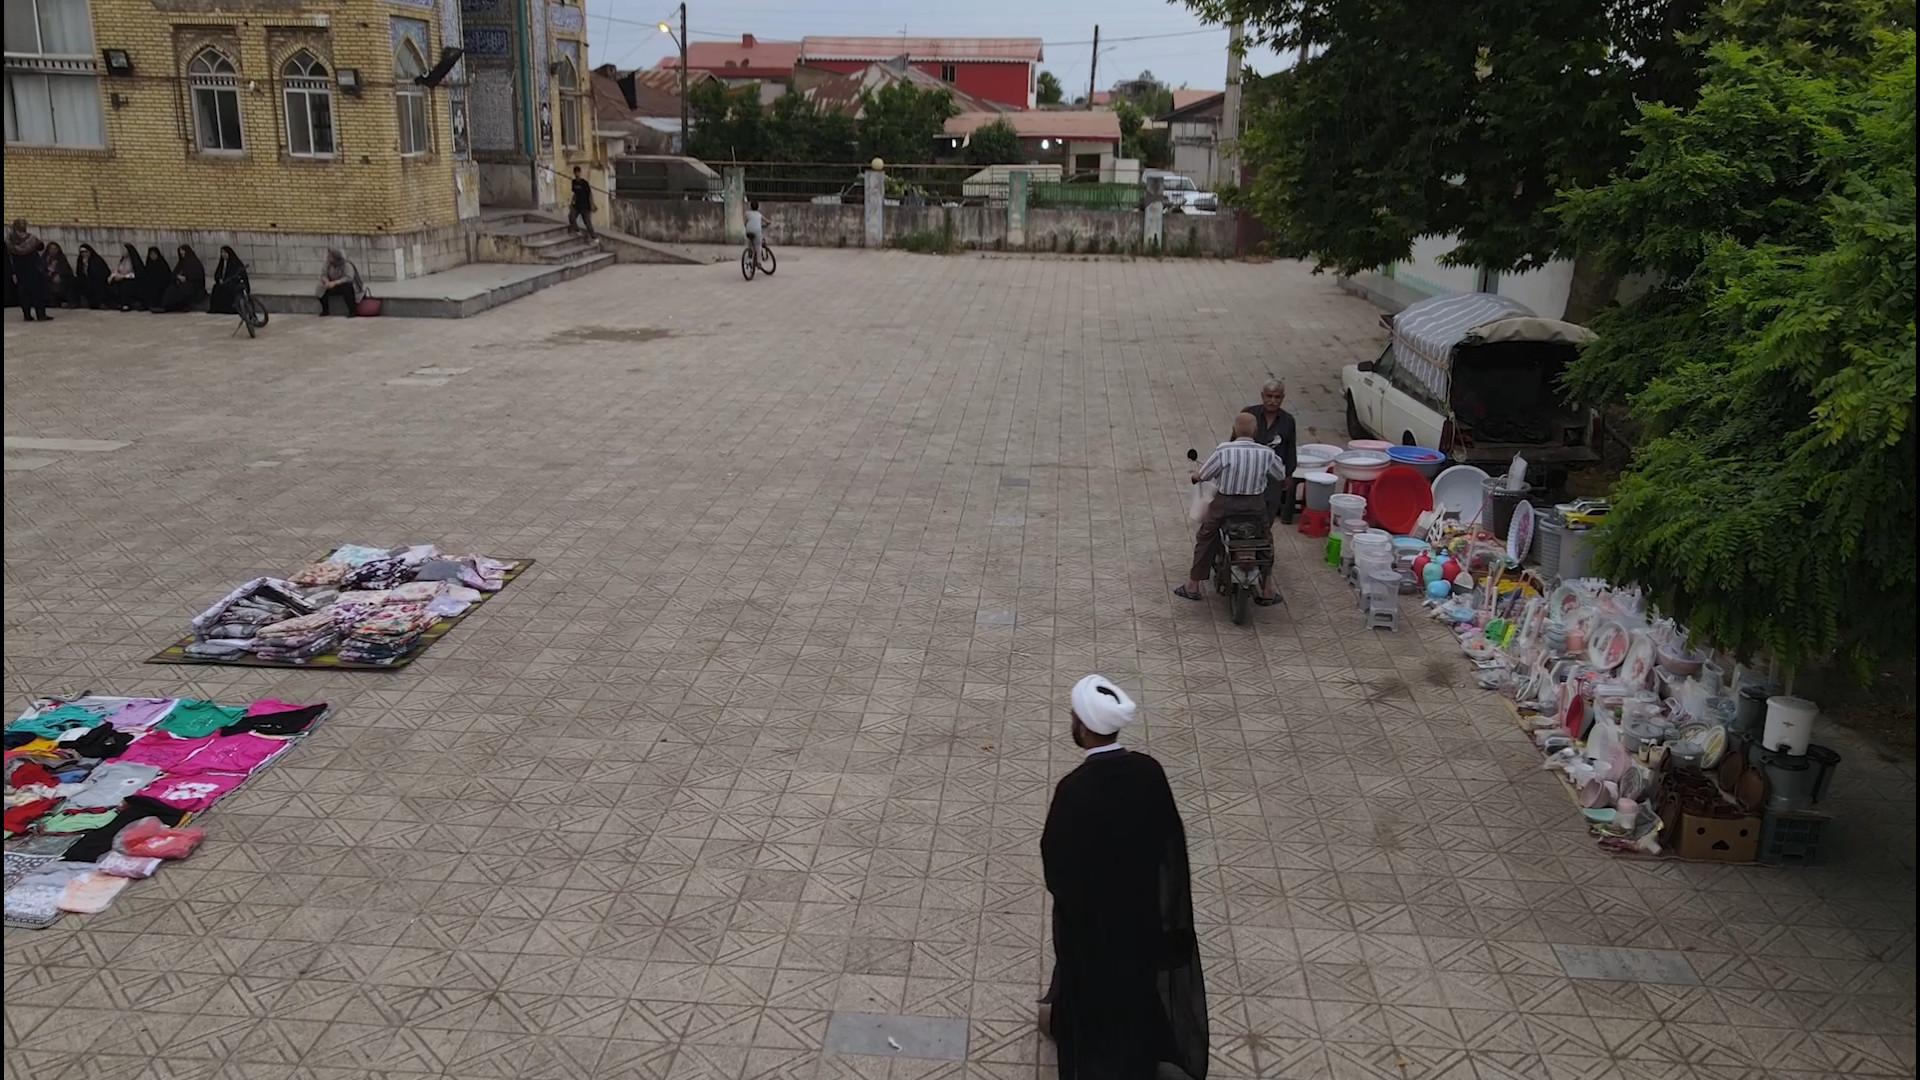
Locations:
column 91, row 768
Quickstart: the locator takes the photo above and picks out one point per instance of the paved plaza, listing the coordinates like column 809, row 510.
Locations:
column 766, row 736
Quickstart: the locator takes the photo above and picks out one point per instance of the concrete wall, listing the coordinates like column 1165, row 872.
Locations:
column 282, row 254
column 672, row 221
column 839, row 225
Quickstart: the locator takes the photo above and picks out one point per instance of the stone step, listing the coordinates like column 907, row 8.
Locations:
column 450, row 294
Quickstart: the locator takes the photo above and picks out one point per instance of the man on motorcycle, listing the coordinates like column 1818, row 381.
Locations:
column 1241, row 471
column 1274, row 427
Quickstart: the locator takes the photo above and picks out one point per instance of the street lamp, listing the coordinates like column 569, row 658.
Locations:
column 680, row 39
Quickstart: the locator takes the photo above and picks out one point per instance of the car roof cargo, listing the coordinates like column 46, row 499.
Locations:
column 1426, row 333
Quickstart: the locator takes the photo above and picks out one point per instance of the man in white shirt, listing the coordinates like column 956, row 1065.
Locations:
column 1240, row 471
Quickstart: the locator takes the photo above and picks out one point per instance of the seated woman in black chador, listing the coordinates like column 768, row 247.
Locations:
column 90, row 275
column 229, row 275
column 188, row 288
column 60, row 287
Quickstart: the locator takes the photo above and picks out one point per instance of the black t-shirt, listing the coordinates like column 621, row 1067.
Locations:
column 582, row 193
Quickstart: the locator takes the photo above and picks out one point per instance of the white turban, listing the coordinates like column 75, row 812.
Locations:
column 1101, row 706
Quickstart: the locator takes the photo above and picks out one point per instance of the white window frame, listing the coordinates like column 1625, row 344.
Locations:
column 410, row 102
column 306, row 84
column 30, row 64
column 212, row 74
column 572, row 122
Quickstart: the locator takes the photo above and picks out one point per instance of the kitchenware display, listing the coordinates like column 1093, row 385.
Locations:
column 1607, row 645
column 1361, row 464
column 1457, row 491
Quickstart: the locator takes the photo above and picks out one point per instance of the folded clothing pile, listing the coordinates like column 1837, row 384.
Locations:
column 241, row 613
column 388, row 634
column 299, row 638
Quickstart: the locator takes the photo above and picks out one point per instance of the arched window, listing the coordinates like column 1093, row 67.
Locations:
column 308, row 94
column 410, row 99
column 215, row 87
column 570, row 103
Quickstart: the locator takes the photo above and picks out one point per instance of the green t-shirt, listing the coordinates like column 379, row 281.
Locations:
column 56, row 720
column 192, row 718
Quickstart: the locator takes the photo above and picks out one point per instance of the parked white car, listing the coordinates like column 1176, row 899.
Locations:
column 1477, row 377
column 1185, row 196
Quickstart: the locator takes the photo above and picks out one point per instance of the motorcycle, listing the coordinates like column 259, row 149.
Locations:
column 1244, row 558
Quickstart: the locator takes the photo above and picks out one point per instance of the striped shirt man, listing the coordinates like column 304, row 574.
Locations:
column 1241, row 467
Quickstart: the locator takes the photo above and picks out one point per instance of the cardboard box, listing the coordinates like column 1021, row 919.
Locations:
column 1718, row 839
column 1705, row 823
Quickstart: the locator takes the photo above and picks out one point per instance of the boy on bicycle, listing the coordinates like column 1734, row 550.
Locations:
column 756, row 229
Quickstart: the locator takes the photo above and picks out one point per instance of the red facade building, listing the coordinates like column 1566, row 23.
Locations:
column 1005, row 71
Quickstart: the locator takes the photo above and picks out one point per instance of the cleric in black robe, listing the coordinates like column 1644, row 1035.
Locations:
column 229, row 274
column 1128, row 1001
column 188, row 288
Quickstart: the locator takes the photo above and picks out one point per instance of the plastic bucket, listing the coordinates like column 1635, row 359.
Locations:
column 1499, row 503
column 1320, row 494
column 1348, row 507
column 1789, row 724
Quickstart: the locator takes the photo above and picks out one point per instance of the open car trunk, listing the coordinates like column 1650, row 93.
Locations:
column 1506, row 399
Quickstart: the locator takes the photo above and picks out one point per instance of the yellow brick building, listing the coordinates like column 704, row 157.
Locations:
column 283, row 127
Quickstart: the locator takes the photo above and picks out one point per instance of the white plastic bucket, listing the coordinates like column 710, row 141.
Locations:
column 1789, row 724
column 1348, row 507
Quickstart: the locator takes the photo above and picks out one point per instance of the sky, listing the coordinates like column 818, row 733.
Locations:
column 1135, row 35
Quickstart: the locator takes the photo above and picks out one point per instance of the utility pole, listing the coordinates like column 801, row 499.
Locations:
column 683, row 78
column 1227, row 162
column 1093, row 67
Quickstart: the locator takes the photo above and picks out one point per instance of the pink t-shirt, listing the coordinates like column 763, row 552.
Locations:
column 240, row 753
column 196, row 792
column 164, row 749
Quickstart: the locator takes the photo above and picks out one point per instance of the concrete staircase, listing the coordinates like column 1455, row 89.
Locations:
column 519, row 236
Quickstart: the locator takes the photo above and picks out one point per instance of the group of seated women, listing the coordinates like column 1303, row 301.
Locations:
column 149, row 284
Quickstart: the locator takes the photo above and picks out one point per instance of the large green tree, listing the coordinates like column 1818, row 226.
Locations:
column 1463, row 120
column 1771, row 505
column 995, row 143
column 728, row 124
column 900, row 122
column 1049, row 91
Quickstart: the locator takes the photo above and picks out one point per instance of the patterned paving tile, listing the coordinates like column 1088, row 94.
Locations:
column 768, row 733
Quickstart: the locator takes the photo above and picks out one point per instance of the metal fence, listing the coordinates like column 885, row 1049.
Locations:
column 1085, row 196
column 787, row 181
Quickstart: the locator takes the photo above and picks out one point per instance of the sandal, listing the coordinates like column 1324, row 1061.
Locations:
column 1269, row 601
column 1183, row 593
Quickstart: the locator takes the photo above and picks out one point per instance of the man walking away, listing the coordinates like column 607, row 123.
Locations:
column 1273, row 426
column 580, row 209
column 29, row 269
column 1241, row 471
column 1128, row 1001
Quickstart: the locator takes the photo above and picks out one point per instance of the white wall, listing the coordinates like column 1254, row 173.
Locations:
column 1543, row 290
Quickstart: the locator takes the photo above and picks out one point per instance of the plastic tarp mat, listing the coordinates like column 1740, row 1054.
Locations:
column 1425, row 333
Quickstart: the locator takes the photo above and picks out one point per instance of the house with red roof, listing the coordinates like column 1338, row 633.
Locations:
column 1004, row 71
column 740, row 62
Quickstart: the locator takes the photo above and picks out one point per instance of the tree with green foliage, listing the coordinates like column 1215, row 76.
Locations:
column 1049, row 90
column 1145, row 92
column 1131, row 120
column 1408, row 121
column 901, row 121
column 728, row 124
column 798, row 129
column 1771, row 504
column 995, row 143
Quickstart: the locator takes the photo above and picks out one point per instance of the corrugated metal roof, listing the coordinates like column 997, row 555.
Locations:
column 983, row 50
column 843, row 92
column 1082, row 126
column 746, row 58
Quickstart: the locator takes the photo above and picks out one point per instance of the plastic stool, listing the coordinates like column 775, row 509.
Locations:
column 1382, row 618
column 1315, row 523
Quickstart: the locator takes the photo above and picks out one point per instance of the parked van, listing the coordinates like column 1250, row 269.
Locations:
column 1476, row 376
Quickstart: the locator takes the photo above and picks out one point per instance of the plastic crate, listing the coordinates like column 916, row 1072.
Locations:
column 1792, row 838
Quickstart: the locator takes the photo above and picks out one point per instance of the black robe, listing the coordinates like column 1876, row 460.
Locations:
column 60, row 281
column 1129, row 989
column 155, row 276
column 183, row 295
column 90, row 278
column 228, row 275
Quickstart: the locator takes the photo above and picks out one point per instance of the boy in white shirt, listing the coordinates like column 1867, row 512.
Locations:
column 756, row 228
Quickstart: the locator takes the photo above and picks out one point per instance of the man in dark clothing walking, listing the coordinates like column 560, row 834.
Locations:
column 1128, row 1001
column 1273, row 426
column 580, row 209
column 27, row 265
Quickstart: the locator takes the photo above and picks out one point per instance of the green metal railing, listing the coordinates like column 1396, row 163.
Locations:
column 1051, row 196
